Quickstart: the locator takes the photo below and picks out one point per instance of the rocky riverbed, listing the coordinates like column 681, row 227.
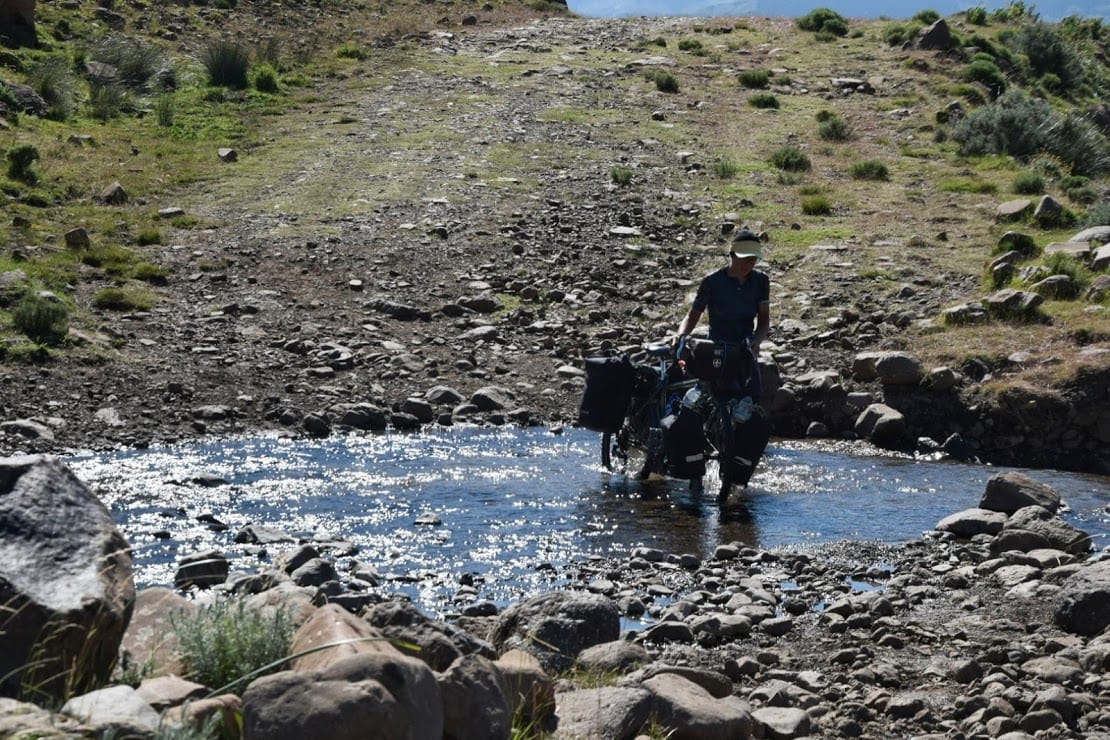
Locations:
column 993, row 625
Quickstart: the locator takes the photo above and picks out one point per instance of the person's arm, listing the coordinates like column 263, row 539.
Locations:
column 689, row 321
column 762, row 326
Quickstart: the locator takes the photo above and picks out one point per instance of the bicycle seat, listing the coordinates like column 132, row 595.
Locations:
column 658, row 349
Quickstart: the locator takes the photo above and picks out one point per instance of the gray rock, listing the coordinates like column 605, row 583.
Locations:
column 898, row 368
column 315, row 572
column 1034, row 527
column 692, row 713
column 365, row 695
column 443, row 396
column 150, row 639
column 885, row 427
column 437, row 643
column 475, row 700
column 113, row 195
column 65, row 580
column 1014, row 210
column 1008, row 492
column 1084, row 606
column 1048, row 211
column 610, row 712
column 557, row 626
column 970, row 522
column 116, row 710
column 420, row 409
column 781, row 723
column 492, row 398
column 27, row 428
column 935, row 37
column 202, row 570
column 618, row 656
column 484, row 303
column 1100, row 234
column 1007, row 303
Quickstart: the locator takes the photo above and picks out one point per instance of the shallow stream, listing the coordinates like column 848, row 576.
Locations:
column 510, row 507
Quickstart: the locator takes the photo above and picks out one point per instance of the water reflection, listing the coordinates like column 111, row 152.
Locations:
column 513, row 505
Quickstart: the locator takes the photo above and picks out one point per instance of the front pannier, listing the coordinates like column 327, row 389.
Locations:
column 720, row 363
column 609, row 382
column 684, row 443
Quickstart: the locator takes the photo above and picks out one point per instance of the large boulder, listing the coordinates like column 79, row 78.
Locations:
column 476, row 702
column 360, row 696
column 885, row 427
column 437, row 643
column 1036, row 528
column 692, row 713
column 346, row 634
column 17, row 22
column 150, row 641
column 1008, row 492
column 65, row 582
column 1084, row 606
column 556, row 626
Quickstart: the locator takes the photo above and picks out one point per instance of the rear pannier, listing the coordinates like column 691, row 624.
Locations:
column 609, row 382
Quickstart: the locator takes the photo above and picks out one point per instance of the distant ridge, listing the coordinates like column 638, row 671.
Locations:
column 1049, row 11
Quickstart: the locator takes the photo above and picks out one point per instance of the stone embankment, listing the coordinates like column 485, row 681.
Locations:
column 995, row 624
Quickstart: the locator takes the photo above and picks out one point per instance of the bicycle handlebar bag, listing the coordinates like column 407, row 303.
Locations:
column 718, row 362
column 609, row 382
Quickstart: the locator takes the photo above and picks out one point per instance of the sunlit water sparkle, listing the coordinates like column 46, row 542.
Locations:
column 516, row 505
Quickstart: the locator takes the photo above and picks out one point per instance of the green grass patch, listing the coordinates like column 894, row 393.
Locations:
column 791, row 159
column 816, row 205
column 764, row 101
column 621, row 176
column 869, row 169
column 966, row 185
column 755, row 79
column 126, row 298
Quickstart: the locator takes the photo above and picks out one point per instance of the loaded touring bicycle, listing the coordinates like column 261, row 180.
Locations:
column 667, row 411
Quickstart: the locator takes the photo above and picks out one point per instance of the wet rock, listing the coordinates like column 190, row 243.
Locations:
column 885, row 427
column 970, row 522
column 202, row 570
column 1034, row 527
column 492, row 398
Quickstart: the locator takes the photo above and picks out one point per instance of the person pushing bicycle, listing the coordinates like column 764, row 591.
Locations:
column 738, row 298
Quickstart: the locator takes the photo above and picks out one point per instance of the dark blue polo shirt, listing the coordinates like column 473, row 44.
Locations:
column 732, row 305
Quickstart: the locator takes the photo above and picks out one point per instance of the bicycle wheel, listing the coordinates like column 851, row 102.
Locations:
column 607, row 450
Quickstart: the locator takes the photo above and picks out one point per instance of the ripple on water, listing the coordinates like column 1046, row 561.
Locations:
column 513, row 502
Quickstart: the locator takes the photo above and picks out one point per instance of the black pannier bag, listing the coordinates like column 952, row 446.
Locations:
column 608, row 392
column 720, row 363
column 684, row 443
column 749, row 440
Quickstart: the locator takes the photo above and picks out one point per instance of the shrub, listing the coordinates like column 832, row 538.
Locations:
column 53, row 81
column 899, row 34
column 764, row 100
column 123, row 299
column 164, row 110
column 725, row 168
column 1046, row 51
column 691, row 46
column 226, row 642
column 869, row 169
column 755, row 78
column 791, row 159
column 106, row 100
column 824, row 19
column 666, row 82
column 788, row 179
column 834, row 129
column 226, row 63
column 20, row 158
column 43, row 319
column 1098, row 215
column 621, row 176
column 659, row 41
column 136, row 61
column 1023, row 127
column 151, row 273
column 350, row 50
column 1083, row 194
column 150, row 236
column 816, row 205
column 976, row 16
column 1028, row 183
column 986, row 73
column 927, row 17
column 264, row 78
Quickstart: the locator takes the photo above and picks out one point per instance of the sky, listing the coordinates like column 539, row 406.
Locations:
column 893, row 9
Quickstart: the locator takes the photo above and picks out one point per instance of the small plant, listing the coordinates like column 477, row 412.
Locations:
column 660, row 42
column 106, row 100
column 986, row 73
column 977, row 16
column 226, row 642
column 123, row 299
column 226, row 63
column 899, row 34
column 755, row 79
column 1028, row 183
column 691, row 46
column 264, row 78
column 149, row 236
column 927, row 17
column 151, row 273
column 816, row 205
column 725, row 169
column 869, row 169
column 164, row 110
column 764, row 100
column 349, row 50
column 666, row 82
column 621, row 176
column 20, row 158
column 834, row 129
column 791, row 159
column 1098, row 215
column 135, row 61
column 41, row 318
